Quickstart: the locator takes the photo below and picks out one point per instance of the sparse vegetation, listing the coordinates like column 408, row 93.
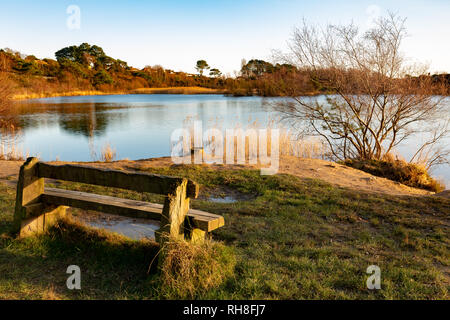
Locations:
column 410, row 174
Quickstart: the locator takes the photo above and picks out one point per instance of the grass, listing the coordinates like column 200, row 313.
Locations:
column 294, row 239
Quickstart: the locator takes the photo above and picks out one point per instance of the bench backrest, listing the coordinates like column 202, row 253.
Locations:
column 177, row 190
column 140, row 182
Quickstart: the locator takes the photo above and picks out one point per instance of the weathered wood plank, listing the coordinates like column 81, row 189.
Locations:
column 205, row 220
column 132, row 208
column 141, row 182
column 112, row 205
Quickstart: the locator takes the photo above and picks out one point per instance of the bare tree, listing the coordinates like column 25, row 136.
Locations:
column 373, row 99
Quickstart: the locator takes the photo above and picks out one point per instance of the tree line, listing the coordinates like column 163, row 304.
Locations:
column 87, row 68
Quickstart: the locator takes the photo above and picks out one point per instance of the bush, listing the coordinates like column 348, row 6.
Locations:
column 188, row 270
column 410, row 174
column 6, row 90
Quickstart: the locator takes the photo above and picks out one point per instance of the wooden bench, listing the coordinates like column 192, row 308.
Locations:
column 38, row 208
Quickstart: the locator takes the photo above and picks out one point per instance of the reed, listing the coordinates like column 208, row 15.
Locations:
column 9, row 144
column 177, row 90
column 108, row 153
column 34, row 95
column 9, row 151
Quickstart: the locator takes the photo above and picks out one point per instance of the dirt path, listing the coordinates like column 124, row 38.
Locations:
column 9, row 169
column 305, row 168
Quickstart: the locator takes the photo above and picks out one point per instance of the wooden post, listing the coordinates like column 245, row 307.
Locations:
column 176, row 206
column 30, row 215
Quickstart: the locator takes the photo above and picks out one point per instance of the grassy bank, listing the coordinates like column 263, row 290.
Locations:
column 287, row 238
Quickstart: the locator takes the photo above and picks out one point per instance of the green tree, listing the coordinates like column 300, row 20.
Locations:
column 215, row 73
column 256, row 68
column 84, row 54
column 201, row 65
column 102, row 77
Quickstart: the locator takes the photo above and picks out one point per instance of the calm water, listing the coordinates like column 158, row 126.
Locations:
column 137, row 126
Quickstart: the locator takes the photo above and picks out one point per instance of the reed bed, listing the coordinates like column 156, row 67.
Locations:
column 177, row 90
column 9, row 151
column 34, row 95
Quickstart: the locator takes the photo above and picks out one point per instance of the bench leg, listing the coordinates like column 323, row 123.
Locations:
column 38, row 225
column 195, row 235
column 199, row 236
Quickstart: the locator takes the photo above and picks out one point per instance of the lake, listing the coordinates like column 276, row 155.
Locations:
column 137, row 126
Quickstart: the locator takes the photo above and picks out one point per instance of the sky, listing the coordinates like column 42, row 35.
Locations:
column 175, row 34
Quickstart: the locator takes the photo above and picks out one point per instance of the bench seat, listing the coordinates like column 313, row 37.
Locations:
column 125, row 207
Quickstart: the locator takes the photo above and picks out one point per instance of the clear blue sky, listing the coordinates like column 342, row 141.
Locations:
column 175, row 34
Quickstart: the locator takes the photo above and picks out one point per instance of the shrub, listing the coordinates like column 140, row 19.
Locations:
column 410, row 174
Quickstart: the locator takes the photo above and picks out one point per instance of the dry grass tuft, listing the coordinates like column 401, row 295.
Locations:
column 188, row 270
column 108, row 153
column 410, row 174
column 50, row 293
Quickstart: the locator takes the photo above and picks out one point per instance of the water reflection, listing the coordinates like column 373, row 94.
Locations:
column 86, row 119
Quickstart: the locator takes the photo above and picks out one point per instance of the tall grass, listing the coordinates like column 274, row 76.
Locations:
column 108, row 153
column 9, row 149
column 177, row 90
column 38, row 95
